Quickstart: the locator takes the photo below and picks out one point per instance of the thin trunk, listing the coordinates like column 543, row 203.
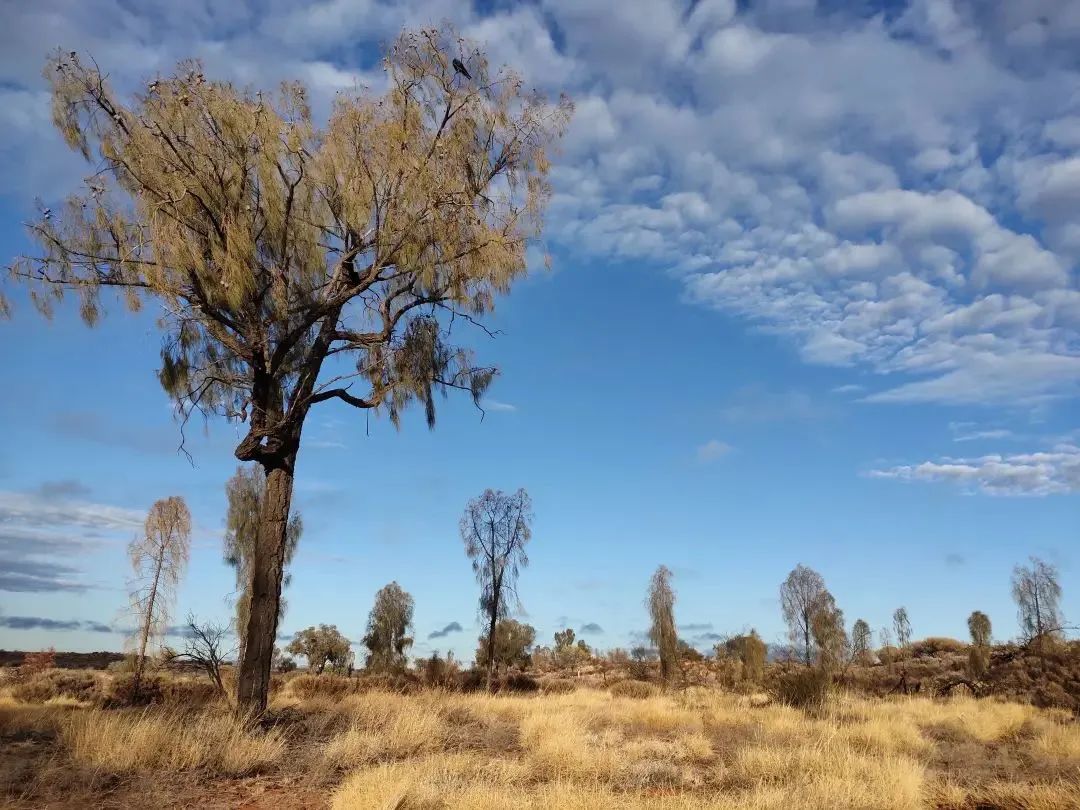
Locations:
column 497, row 586
column 148, row 619
column 267, row 571
column 806, row 637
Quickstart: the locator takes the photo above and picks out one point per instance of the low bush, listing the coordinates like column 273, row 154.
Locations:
column 803, row 688
column 185, row 694
column 47, row 684
column 335, row 687
column 633, row 689
column 516, row 682
column 936, row 645
column 558, row 686
column 125, row 691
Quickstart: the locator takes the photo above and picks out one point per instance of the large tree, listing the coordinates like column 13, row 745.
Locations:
column 662, row 633
column 321, row 645
column 387, row 637
column 799, row 597
column 902, row 627
column 245, row 493
column 159, row 558
column 512, row 641
column 495, row 528
column 861, row 640
column 1037, row 592
column 294, row 264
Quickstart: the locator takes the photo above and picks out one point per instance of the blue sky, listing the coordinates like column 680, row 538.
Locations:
column 815, row 299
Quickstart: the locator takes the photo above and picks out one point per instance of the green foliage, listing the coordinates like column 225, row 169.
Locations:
column 750, row 651
column 512, row 642
column 322, row 645
column 979, row 628
column 662, row 633
column 389, row 622
column 827, row 628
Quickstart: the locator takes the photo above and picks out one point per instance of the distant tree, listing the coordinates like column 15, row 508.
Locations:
column 979, row 654
column 799, row 594
column 495, row 528
column 388, row 638
column 979, row 628
column 662, row 632
column 159, row 558
column 275, row 245
column 321, row 645
column 751, row 653
column 564, row 638
column 245, row 493
column 281, row 662
column 861, row 640
column 827, row 627
column 206, row 646
column 902, row 627
column 688, row 652
column 511, row 644
column 1037, row 593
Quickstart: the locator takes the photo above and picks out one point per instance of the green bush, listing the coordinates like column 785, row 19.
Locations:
column 936, row 645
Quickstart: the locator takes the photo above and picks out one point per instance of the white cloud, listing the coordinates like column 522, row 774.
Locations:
column 893, row 192
column 1052, row 472
column 496, row 405
column 712, row 450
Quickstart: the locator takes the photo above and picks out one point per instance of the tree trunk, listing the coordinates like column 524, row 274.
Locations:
column 268, row 564
column 148, row 618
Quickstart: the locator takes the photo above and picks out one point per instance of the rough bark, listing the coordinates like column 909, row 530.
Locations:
column 268, row 566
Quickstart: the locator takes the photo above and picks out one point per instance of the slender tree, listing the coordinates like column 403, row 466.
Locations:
column 1038, row 596
column 827, row 627
column 245, row 493
column 495, row 528
column 979, row 654
column 295, row 264
column 388, row 629
column 902, row 627
column 662, row 631
column 159, row 558
column 861, row 640
column 799, row 594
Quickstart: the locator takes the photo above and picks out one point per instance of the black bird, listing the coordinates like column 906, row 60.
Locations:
column 460, row 68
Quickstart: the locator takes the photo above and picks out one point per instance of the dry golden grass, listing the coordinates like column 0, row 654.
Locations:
column 122, row 742
column 589, row 749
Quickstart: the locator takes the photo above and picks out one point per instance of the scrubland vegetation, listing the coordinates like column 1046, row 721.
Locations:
column 377, row 742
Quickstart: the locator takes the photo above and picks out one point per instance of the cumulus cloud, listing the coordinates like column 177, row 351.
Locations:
column 1051, row 472
column 453, row 627
column 895, row 192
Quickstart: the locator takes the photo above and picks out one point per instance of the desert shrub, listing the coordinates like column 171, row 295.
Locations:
column 37, row 662
column 335, row 687
column 126, row 664
column 633, row 689
column 936, row 645
column 185, row 694
column 472, row 680
column 75, row 684
column 33, row 690
column 803, row 688
column 127, row 690
column 437, row 672
column 558, row 686
column 516, row 682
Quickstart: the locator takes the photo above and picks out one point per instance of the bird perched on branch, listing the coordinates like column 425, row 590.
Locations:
column 460, row 68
